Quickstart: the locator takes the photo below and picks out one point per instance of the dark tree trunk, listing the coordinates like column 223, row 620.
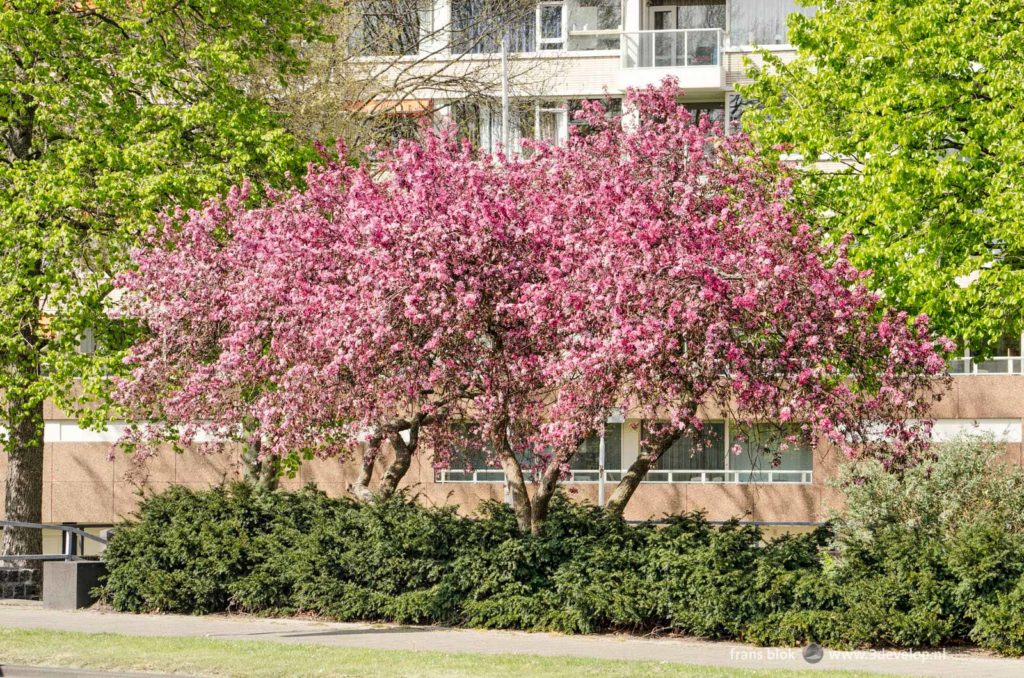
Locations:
column 516, row 482
column 541, row 504
column 403, row 459
column 24, row 487
column 637, row 471
column 23, row 497
column 262, row 473
column 399, row 466
column 360, row 489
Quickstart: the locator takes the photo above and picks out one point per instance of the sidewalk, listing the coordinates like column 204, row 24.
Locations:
column 388, row 637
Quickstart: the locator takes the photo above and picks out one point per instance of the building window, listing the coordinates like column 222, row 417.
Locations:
column 762, row 22
column 761, row 454
column 551, row 26
column 480, row 122
column 575, row 25
column 714, row 111
column 389, row 129
column 764, row 453
column 585, row 465
column 1006, row 359
column 389, row 27
column 87, row 342
column 612, row 107
column 553, row 125
column 698, row 13
column 470, row 459
column 689, row 460
column 479, row 25
column 593, row 24
column 687, row 455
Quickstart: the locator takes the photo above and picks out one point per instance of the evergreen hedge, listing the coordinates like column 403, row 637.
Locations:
column 901, row 568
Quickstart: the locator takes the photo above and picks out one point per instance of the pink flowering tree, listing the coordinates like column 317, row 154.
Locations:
column 233, row 353
column 695, row 287
column 651, row 265
column 452, row 251
column 370, row 308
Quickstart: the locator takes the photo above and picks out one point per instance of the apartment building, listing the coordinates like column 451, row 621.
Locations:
column 558, row 53
column 562, row 51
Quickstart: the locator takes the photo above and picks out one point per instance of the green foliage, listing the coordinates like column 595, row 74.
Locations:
column 111, row 111
column 999, row 625
column 919, row 100
column 238, row 548
column 932, row 558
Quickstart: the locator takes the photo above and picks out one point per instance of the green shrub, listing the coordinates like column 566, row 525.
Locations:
column 1000, row 624
column 365, row 561
column 188, row 550
column 926, row 557
column 930, row 558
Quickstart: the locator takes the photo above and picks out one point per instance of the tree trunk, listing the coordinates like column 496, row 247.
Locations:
column 23, row 498
column 24, row 488
column 399, row 466
column 361, row 488
column 516, row 482
column 545, row 492
column 262, row 473
column 403, row 459
column 632, row 478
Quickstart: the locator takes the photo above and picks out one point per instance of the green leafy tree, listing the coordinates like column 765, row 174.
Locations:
column 917, row 106
column 111, row 110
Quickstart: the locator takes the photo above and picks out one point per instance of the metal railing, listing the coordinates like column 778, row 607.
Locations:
column 72, row 543
column 730, row 476
column 497, row 475
column 489, row 475
column 672, row 49
column 708, row 476
column 999, row 365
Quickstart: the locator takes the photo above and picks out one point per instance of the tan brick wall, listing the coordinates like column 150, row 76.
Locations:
column 80, row 483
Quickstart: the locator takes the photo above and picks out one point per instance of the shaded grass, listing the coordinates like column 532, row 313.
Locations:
column 248, row 658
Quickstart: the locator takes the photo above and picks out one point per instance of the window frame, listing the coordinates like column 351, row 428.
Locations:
column 544, row 44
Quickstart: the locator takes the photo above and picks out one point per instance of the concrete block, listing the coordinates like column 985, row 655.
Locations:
column 67, row 585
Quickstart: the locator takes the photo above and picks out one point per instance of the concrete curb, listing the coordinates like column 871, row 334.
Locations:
column 15, row 671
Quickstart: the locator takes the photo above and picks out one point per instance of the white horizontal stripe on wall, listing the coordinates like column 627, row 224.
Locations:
column 70, row 432
column 1004, row 430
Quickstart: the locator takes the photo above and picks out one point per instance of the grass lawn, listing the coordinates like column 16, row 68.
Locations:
column 201, row 656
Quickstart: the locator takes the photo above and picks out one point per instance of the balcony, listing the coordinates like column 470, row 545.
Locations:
column 693, row 55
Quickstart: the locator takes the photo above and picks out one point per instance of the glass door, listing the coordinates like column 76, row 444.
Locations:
column 663, row 22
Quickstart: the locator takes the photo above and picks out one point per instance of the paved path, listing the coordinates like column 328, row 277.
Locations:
column 388, row 637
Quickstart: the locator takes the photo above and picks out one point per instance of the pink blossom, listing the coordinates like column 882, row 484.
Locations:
column 657, row 268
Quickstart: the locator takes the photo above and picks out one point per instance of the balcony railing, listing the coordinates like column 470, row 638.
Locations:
column 997, row 365
column 672, row 49
column 710, row 476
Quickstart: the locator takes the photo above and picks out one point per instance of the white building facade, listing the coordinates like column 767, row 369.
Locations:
column 562, row 51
